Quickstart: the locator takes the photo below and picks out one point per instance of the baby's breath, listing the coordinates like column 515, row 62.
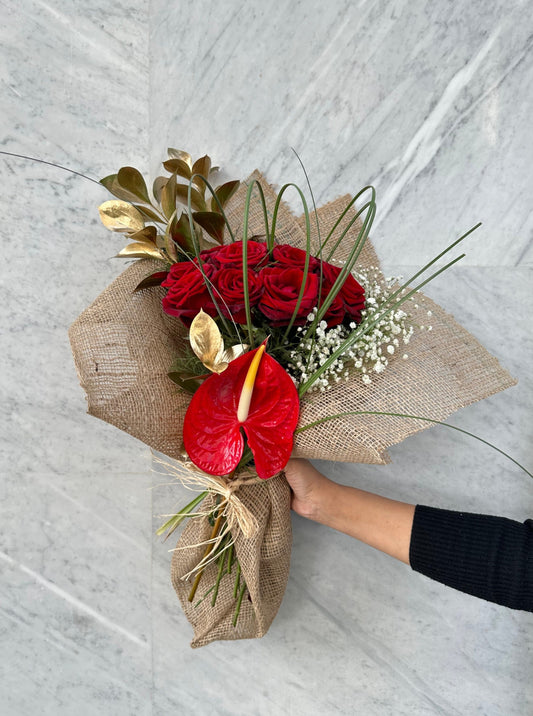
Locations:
column 369, row 354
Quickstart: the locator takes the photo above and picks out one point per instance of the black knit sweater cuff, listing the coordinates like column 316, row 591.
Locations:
column 489, row 557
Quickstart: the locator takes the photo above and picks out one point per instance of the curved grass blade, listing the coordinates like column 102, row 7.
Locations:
column 51, row 164
column 313, row 202
column 343, row 214
column 350, row 263
column 255, row 183
column 319, row 238
column 307, row 248
column 413, row 417
column 251, row 186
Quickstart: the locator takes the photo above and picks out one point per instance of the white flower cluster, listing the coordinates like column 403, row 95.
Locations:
column 368, row 354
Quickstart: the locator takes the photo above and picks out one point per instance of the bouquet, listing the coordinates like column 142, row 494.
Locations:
column 242, row 335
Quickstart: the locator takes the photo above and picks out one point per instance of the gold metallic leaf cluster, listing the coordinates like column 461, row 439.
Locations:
column 162, row 227
column 208, row 344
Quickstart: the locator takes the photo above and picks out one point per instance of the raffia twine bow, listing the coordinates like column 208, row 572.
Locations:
column 233, row 509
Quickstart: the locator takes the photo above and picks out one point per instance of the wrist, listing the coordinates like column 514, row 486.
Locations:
column 324, row 504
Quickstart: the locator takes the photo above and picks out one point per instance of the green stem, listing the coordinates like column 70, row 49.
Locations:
column 237, row 580
column 312, row 200
column 178, row 518
column 349, row 226
column 239, row 602
column 247, row 456
column 350, row 263
column 208, row 550
column 230, row 559
column 204, row 597
column 51, row 164
column 343, row 214
column 246, row 214
column 221, row 564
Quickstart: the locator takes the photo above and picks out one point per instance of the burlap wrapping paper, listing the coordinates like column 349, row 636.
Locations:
column 123, row 345
column 264, row 559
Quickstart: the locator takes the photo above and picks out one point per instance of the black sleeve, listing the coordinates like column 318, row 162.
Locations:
column 489, row 557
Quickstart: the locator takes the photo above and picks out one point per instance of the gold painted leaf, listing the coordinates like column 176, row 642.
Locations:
column 168, row 197
column 149, row 214
column 120, row 216
column 234, row 352
column 148, row 234
column 169, row 245
column 157, row 188
column 140, row 251
column 207, row 343
column 178, row 166
column 180, row 154
column 201, row 166
column 113, row 187
column 132, row 180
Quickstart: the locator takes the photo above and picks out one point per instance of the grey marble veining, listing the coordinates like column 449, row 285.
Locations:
column 75, row 533
column 431, row 102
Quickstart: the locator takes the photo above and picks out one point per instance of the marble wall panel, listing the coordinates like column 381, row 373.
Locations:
column 430, row 102
column 75, row 530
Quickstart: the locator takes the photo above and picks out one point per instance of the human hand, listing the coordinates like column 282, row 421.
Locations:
column 310, row 489
column 382, row 523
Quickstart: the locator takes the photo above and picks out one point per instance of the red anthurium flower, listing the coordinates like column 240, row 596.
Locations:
column 221, row 409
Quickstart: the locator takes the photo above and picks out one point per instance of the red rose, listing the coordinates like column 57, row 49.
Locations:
column 352, row 293
column 187, row 292
column 281, row 287
column 291, row 257
column 230, row 255
column 209, row 256
column 230, row 285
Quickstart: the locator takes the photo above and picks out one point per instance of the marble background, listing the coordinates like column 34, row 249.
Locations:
column 430, row 102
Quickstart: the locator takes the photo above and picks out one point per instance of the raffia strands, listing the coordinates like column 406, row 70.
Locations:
column 264, row 558
column 123, row 345
column 234, row 510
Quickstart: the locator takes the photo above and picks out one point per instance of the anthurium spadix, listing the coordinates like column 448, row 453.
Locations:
column 254, row 395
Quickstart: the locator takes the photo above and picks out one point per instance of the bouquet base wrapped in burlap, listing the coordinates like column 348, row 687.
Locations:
column 264, row 559
column 124, row 344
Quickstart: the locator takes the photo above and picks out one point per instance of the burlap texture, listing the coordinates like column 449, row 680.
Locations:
column 264, row 560
column 447, row 367
column 123, row 345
